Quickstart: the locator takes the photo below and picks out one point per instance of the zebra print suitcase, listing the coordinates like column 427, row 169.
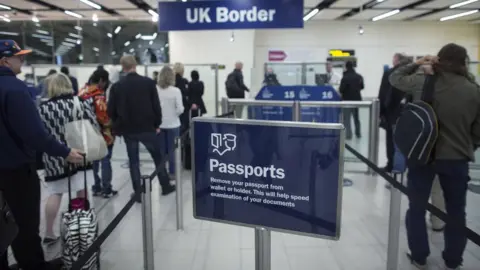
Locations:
column 79, row 230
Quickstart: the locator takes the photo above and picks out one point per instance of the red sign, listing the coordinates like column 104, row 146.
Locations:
column 276, row 56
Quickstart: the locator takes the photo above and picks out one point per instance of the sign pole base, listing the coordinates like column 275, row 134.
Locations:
column 394, row 225
column 263, row 245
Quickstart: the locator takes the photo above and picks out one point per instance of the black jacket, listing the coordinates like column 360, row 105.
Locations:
column 182, row 84
column 134, row 106
column 351, row 85
column 235, row 86
column 390, row 98
column 195, row 95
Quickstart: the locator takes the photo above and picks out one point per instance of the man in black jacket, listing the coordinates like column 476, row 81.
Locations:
column 134, row 108
column 390, row 105
column 350, row 87
column 236, row 87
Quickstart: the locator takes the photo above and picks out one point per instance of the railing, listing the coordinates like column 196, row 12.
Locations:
column 373, row 106
column 263, row 240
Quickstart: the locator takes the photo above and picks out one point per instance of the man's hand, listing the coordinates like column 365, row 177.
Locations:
column 75, row 156
column 427, row 60
column 157, row 130
column 194, row 106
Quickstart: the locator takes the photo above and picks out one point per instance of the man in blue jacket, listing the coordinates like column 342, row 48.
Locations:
column 22, row 134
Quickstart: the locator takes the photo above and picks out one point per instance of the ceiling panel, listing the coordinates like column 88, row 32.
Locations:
column 395, row 3
column 310, row 3
column 99, row 13
column 116, row 4
column 404, row 14
column 437, row 16
column 349, row 3
column 330, row 14
column 67, row 4
column 472, row 5
column 440, row 3
column 53, row 14
column 367, row 14
column 21, row 4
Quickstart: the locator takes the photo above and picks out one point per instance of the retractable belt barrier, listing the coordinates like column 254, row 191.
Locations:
column 471, row 235
column 121, row 215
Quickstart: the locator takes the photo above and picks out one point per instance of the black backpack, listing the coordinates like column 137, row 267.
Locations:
column 232, row 87
column 416, row 131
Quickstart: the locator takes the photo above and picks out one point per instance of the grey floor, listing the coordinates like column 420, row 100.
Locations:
column 206, row 245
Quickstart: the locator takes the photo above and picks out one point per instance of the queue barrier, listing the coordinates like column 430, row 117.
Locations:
column 262, row 235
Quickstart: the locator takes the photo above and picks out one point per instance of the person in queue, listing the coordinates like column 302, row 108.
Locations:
column 236, row 87
column 22, row 133
column 270, row 78
column 56, row 113
column 172, row 107
column 74, row 80
column 182, row 84
column 196, row 89
column 390, row 106
column 43, row 84
column 95, row 94
column 457, row 107
column 350, row 87
column 134, row 108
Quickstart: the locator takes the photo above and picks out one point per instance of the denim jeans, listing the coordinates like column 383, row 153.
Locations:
column 453, row 177
column 167, row 143
column 103, row 184
column 150, row 141
column 349, row 113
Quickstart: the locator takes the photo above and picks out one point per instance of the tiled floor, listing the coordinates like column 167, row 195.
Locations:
column 205, row 245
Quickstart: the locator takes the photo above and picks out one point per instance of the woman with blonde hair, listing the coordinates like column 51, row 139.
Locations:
column 172, row 107
column 56, row 112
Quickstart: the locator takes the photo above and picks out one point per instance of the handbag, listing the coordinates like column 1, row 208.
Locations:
column 82, row 135
column 8, row 227
column 79, row 230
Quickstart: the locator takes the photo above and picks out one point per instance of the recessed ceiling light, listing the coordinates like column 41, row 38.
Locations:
column 35, row 19
column 154, row 18
column 43, row 32
column 9, row 33
column 92, row 4
column 5, row 19
column 109, row 35
column 5, row 7
column 74, row 35
column 117, row 30
column 386, row 15
column 73, row 14
column 151, row 42
column 127, row 43
column 463, row 3
column 78, row 28
column 138, row 36
column 96, row 49
column 310, row 15
column 153, row 13
column 451, row 17
column 95, row 17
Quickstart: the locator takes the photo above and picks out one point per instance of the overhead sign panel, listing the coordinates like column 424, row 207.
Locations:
column 230, row 14
column 279, row 175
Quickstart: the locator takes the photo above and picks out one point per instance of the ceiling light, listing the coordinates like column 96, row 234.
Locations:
column 113, row 53
column 5, row 19
column 78, row 28
column 386, row 15
column 79, row 42
column 43, row 32
column 138, row 36
column 68, row 44
column 5, row 7
column 151, row 42
column 35, row 19
column 71, row 40
column 8, row 33
column 148, row 37
column 132, row 50
column 96, row 49
column 73, row 14
column 80, row 57
column 312, row 13
column 117, row 30
column 74, row 35
column 127, row 43
column 154, row 18
column 153, row 13
column 95, row 24
column 109, row 35
column 92, row 4
column 463, row 3
column 95, row 17
column 41, row 36
column 38, row 25
column 451, row 17
column 155, row 35
column 162, row 49
column 166, row 45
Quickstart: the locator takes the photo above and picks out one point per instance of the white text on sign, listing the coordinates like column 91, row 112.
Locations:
column 224, row 15
column 246, row 170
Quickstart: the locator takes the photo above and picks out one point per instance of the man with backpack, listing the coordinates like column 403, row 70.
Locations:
column 236, row 87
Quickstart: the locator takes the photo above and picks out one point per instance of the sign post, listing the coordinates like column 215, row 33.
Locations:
column 269, row 175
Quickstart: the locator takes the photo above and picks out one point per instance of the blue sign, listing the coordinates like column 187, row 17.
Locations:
column 278, row 175
column 230, row 14
column 297, row 93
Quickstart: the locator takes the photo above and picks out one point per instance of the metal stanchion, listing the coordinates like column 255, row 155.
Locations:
column 263, row 256
column 296, row 111
column 225, row 105
column 179, row 185
column 394, row 225
column 147, row 224
column 374, row 134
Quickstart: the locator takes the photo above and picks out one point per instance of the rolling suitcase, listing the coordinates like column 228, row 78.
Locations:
column 79, row 229
column 187, row 145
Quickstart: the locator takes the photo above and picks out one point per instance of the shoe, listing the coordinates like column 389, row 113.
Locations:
column 387, row 169
column 138, row 199
column 167, row 190
column 110, row 194
column 96, row 193
column 418, row 265
column 358, row 136
column 50, row 240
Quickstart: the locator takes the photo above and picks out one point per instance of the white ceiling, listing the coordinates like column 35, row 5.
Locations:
column 125, row 10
